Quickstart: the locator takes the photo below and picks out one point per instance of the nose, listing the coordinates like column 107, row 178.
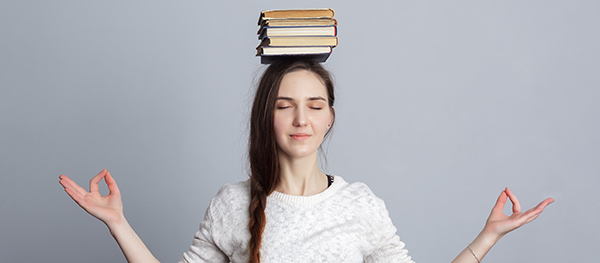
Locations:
column 300, row 118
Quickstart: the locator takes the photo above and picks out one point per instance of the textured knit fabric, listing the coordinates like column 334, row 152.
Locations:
column 344, row 223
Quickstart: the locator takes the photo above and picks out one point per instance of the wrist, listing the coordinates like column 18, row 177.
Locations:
column 490, row 235
column 118, row 226
column 485, row 240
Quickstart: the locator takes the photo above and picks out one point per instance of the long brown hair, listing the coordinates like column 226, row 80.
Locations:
column 264, row 163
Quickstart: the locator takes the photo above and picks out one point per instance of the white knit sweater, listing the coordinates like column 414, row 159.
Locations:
column 344, row 223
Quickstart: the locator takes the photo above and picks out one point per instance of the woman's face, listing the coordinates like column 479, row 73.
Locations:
column 302, row 114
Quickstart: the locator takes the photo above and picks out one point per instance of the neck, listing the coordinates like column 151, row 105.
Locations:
column 300, row 176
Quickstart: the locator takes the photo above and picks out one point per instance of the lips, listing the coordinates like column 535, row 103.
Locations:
column 300, row 136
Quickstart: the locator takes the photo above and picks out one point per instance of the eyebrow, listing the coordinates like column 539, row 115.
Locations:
column 309, row 99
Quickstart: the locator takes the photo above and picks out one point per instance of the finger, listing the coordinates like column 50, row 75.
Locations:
column 66, row 182
column 544, row 203
column 76, row 192
column 112, row 184
column 499, row 206
column 96, row 179
column 534, row 212
column 77, row 198
column 513, row 198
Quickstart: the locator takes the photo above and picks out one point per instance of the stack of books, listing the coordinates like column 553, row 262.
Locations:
column 296, row 32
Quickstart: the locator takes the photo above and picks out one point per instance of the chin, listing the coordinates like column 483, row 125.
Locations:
column 299, row 154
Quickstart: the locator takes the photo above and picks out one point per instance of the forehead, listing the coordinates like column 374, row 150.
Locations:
column 301, row 84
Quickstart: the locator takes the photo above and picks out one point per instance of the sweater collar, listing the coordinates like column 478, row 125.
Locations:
column 338, row 182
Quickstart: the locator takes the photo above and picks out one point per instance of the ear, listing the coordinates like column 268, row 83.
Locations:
column 332, row 117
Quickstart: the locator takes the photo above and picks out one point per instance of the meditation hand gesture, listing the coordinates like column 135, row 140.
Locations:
column 108, row 209
column 498, row 224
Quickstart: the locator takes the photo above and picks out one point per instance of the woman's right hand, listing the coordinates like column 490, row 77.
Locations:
column 108, row 208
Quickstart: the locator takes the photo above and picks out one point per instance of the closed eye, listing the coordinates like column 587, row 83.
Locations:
column 316, row 105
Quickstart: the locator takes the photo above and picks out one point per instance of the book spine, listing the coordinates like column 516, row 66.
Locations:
column 264, row 15
column 261, row 49
column 263, row 33
column 300, row 26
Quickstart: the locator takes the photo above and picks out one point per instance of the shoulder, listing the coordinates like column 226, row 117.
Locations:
column 241, row 188
column 357, row 190
column 231, row 197
column 361, row 197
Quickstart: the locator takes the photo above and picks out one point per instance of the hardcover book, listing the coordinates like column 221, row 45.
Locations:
column 298, row 41
column 316, row 57
column 274, row 51
column 298, row 31
column 297, row 22
column 296, row 13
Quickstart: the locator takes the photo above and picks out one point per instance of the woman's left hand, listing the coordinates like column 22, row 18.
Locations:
column 498, row 224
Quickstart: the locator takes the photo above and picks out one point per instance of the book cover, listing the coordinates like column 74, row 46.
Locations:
column 283, row 31
column 297, row 22
column 296, row 13
column 262, row 51
column 316, row 57
column 298, row 41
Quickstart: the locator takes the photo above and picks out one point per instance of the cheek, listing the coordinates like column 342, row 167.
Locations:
column 279, row 125
column 322, row 122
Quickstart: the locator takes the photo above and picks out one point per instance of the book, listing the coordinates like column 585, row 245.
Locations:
column 298, row 31
column 298, row 41
column 306, row 33
column 273, row 51
column 316, row 57
column 296, row 13
column 297, row 22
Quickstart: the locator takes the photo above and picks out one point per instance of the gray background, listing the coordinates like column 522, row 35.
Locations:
column 440, row 105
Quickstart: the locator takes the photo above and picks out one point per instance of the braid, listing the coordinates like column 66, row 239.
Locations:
column 257, row 219
column 264, row 163
column 265, row 176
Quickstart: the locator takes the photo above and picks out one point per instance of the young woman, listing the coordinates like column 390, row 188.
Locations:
column 289, row 210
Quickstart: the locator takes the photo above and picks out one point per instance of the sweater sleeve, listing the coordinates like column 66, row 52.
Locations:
column 389, row 248
column 204, row 248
